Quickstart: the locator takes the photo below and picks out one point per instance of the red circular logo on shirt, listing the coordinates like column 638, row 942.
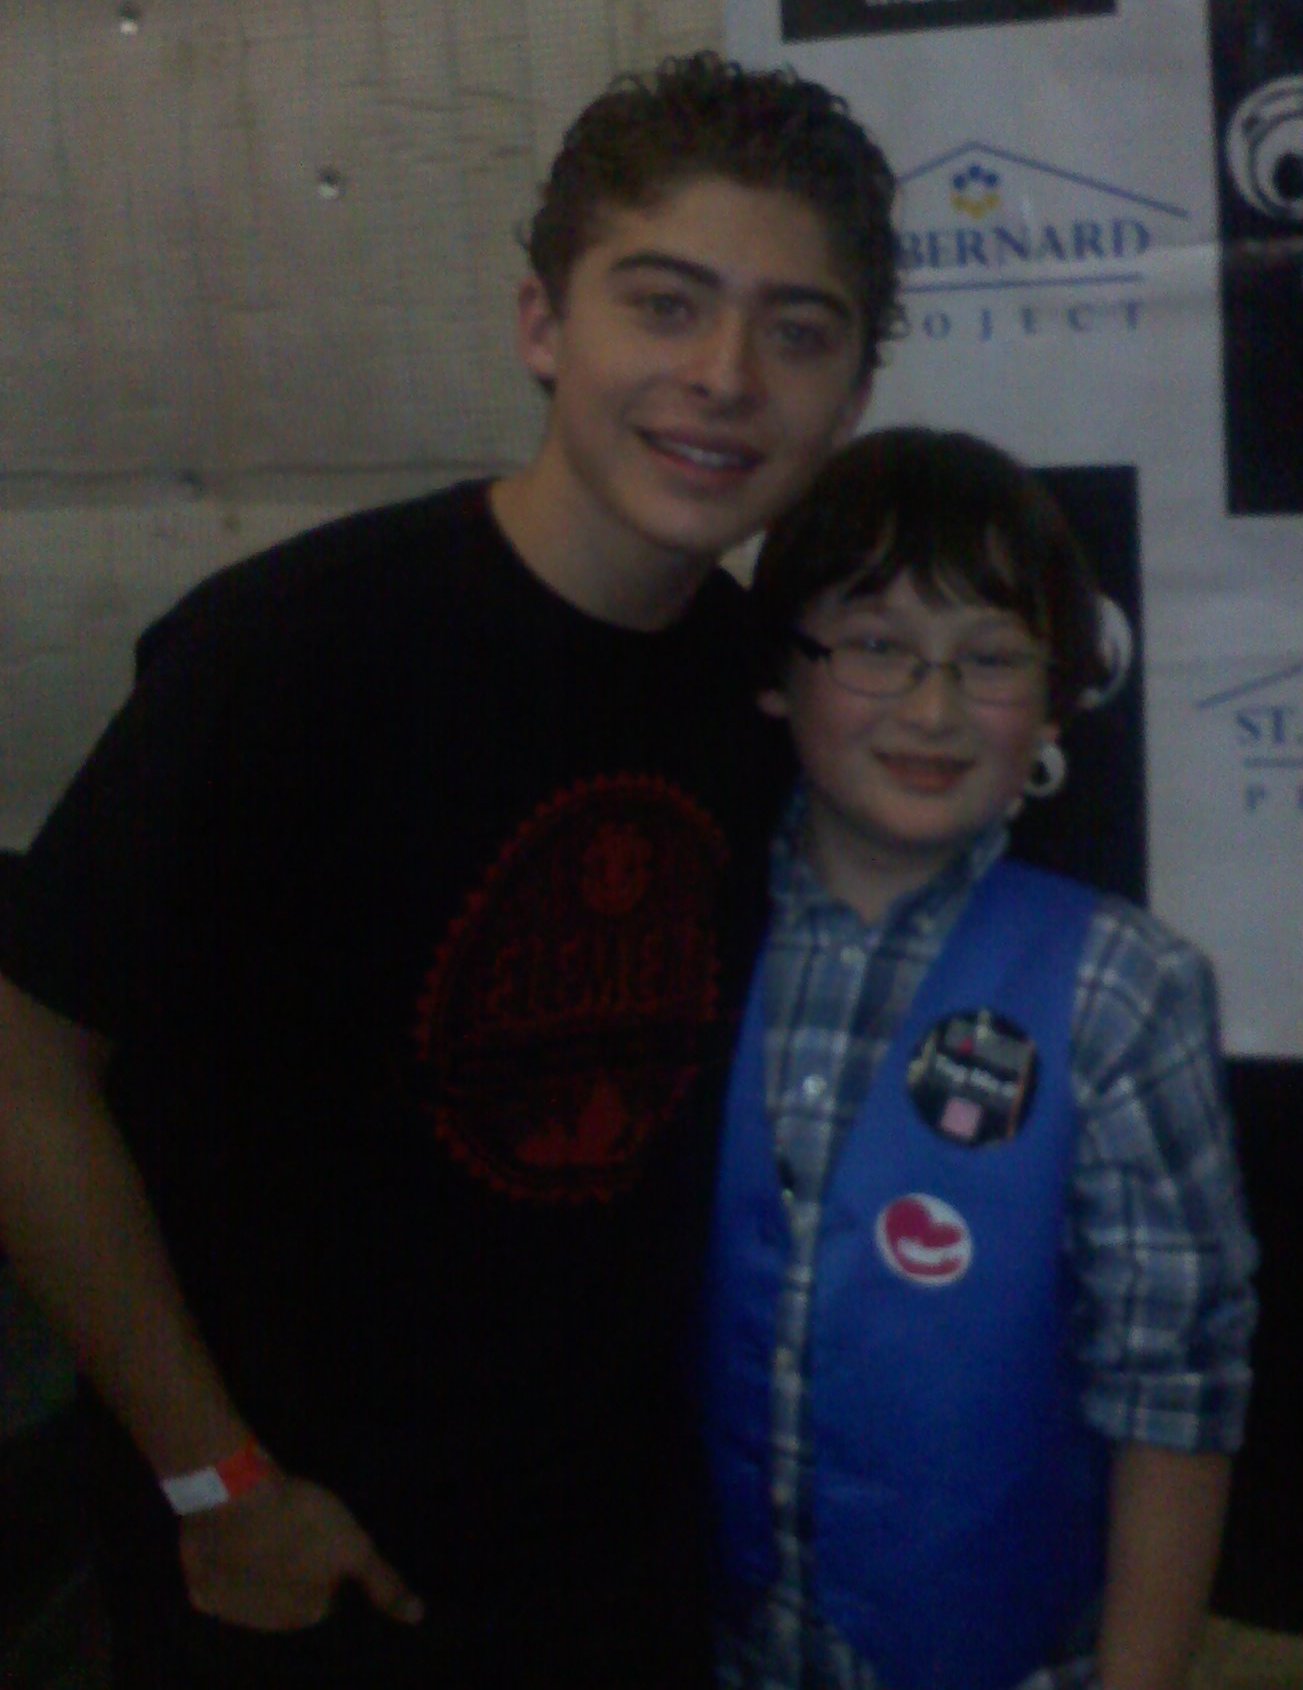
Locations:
column 565, row 1016
column 924, row 1240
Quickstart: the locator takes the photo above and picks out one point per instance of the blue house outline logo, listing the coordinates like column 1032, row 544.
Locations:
column 980, row 253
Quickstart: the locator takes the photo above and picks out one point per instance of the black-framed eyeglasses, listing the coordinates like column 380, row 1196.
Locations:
column 885, row 668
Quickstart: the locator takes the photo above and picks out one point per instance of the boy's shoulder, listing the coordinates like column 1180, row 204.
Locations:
column 365, row 563
column 1146, row 1002
column 1132, row 945
column 1127, row 947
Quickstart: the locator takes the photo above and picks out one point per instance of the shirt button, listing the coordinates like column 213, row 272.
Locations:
column 813, row 1086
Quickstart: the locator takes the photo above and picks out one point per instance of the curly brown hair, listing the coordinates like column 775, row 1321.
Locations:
column 707, row 116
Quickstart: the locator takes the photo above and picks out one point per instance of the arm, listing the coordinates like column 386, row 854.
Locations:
column 1165, row 1520
column 1164, row 1261
column 77, row 1224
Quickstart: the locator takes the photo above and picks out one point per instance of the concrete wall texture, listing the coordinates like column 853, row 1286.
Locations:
column 257, row 260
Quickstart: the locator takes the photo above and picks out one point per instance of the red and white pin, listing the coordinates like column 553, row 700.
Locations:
column 924, row 1240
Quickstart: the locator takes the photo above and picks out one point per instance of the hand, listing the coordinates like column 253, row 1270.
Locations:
column 275, row 1558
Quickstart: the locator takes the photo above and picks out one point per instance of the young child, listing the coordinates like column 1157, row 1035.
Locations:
column 981, row 1307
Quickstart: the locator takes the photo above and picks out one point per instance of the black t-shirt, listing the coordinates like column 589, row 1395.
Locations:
column 418, row 906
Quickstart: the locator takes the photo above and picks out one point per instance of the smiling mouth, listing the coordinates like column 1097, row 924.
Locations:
column 717, row 460
column 924, row 774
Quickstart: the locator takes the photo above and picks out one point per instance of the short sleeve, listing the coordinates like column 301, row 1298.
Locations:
column 136, row 864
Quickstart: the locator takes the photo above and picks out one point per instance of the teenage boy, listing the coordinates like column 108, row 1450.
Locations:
column 980, row 1307
column 366, row 982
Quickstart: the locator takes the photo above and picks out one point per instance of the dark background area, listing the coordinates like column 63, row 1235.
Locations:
column 1261, row 1580
column 1095, row 827
column 1253, row 47
column 817, row 20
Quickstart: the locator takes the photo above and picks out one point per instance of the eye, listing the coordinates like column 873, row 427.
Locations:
column 998, row 660
column 878, row 648
column 662, row 309
column 995, row 659
column 803, row 337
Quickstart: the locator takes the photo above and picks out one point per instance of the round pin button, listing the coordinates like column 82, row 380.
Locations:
column 973, row 1078
column 924, row 1240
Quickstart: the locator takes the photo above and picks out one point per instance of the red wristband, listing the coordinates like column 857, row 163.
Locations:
column 211, row 1487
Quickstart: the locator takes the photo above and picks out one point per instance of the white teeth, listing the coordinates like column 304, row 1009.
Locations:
column 707, row 459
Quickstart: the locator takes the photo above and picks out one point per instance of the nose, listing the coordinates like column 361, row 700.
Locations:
column 725, row 367
column 933, row 701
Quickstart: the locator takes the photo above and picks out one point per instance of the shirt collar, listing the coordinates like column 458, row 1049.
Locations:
column 800, row 898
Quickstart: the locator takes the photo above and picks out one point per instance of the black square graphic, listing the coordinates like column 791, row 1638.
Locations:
column 1096, row 827
column 817, row 20
column 1257, row 75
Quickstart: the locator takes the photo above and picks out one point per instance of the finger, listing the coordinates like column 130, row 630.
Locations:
column 386, row 1590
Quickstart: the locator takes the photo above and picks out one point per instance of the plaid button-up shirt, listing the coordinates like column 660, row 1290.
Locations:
column 1157, row 1235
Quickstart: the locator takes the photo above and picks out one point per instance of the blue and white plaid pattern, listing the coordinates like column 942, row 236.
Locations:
column 1157, row 1231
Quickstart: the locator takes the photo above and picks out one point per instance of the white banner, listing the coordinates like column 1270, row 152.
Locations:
column 1099, row 223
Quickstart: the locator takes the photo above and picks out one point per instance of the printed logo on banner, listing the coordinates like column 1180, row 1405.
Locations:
column 1262, row 723
column 1264, row 149
column 1257, row 77
column 817, row 20
column 999, row 246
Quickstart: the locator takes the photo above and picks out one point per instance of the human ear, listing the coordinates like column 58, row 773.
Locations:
column 536, row 330
column 773, row 702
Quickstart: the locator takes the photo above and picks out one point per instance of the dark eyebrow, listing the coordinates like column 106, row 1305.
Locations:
column 777, row 293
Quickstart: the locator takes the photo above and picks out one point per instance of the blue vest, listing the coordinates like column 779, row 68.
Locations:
column 956, row 1499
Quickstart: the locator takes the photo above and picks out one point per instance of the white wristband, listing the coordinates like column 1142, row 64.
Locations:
column 211, row 1487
